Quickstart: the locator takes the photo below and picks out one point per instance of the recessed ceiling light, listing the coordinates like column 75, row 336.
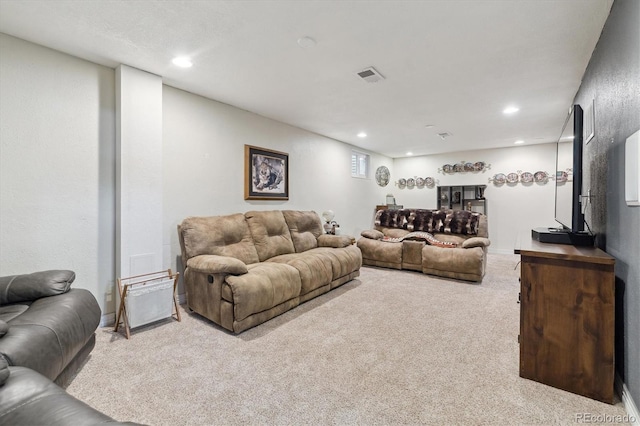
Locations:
column 511, row 110
column 362, row 135
column 520, row 142
column 306, row 42
column 429, row 126
column 182, row 62
column 409, row 153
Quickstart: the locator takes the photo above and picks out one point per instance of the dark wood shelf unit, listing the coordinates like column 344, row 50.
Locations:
column 567, row 318
column 462, row 197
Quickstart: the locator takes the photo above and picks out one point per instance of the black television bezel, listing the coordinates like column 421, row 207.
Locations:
column 577, row 218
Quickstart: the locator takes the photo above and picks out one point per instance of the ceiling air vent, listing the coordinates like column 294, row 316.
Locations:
column 370, row 75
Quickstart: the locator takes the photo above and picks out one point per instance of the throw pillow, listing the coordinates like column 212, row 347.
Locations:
column 476, row 242
column 373, row 234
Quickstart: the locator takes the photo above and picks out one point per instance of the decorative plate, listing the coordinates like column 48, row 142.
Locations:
column 402, row 182
column 419, row 182
column 411, row 183
column 478, row 166
column 540, row 176
column 382, row 175
column 458, row 167
column 468, row 167
column 429, row 181
column 526, row 177
column 561, row 176
column 499, row 179
column 512, row 178
column 447, row 168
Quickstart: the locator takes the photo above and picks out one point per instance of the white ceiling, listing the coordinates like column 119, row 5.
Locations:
column 452, row 64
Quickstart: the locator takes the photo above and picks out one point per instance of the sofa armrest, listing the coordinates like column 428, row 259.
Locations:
column 373, row 234
column 30, row 287
column 214, row 264
column 335, row 241
column 476, row 242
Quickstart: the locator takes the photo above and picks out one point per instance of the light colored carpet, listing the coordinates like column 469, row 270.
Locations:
column 391, row 347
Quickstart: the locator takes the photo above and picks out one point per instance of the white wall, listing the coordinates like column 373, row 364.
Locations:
column 203, row 148
column 511, row 209
column 57, row 146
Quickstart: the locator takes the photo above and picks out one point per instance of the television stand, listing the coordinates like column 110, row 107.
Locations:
column 562, row 236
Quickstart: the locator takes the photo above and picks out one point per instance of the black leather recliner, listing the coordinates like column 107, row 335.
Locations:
column 46, row 332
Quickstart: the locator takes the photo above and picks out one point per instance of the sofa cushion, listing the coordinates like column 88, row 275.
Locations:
column 266, row 285
column 28, row 399
column 314, row 268
column 4, row 328
column 29, row 287
column 50, row 333
column 305, row 228
column 212, row 264
column 378, row 251
column 335, row 241
column 219, row 235
column 458, row 263
column 4, row 371
column 343, row 260
column 9, row 312
column 270, row 233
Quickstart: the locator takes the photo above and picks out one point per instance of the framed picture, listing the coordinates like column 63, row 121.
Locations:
column 266, row 174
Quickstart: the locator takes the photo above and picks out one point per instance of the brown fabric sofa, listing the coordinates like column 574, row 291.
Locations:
column 241, row 270
column 468, row 230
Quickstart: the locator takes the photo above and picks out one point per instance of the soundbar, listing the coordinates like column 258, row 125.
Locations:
column 562, row 236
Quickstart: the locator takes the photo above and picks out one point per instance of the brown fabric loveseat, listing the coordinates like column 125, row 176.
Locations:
column 241, row 270
column 467, row 230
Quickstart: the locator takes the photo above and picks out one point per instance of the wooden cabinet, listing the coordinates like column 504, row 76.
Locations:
column 567, row 318
column 462, row 198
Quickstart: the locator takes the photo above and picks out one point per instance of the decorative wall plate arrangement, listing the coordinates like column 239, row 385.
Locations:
column 382, row 176
column 499, row 179
column 528, row 177
column 417, row 182
column 512, row 178
column 541, row 176
column 465, row 167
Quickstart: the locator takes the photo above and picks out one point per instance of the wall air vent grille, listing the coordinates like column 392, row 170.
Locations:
column 370, row 75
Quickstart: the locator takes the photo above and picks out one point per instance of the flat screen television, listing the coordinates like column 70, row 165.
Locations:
column 568, row 209
column 568, row 194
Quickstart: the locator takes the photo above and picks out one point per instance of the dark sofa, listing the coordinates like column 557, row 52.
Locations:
column 47, row 330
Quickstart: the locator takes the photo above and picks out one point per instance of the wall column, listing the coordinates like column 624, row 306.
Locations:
column 138, row 172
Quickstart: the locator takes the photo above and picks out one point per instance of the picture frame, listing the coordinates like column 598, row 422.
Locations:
column 266, row 174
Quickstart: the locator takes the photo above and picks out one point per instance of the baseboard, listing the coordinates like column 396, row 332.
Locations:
column 109, row 320
column 500, row 251
column 182, row 299
column 629, row 405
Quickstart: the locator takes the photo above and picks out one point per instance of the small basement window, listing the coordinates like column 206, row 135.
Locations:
column 359, row 165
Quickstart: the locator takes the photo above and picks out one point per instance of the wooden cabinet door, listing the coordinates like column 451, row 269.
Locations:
column 566, row 325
